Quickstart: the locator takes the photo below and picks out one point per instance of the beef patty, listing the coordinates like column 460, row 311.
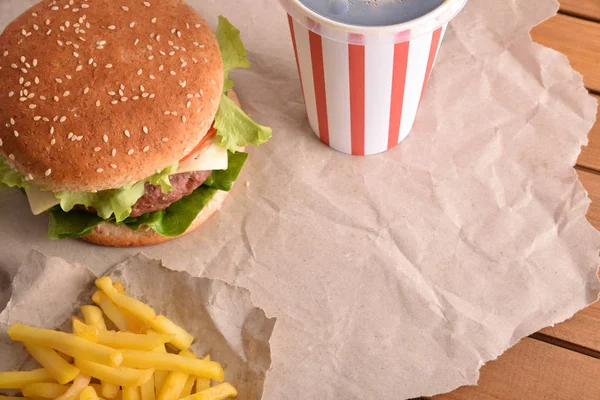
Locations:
column 155, row 200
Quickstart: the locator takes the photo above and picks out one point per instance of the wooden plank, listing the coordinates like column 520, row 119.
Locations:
column 578, row 39
column 590, row 155
column 582, row 8
column 535, row 370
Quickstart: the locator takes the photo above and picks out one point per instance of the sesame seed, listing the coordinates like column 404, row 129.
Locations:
column 5, row 53
column 134, row 98
column 99, row 170
column 53, row 141
column 75, row 54
column 31, row 95
column 22, row 59
column 1, row 142
column 68, row 77
column 11, row 94
column 131, row 25
column 184, row 119
column 16, row 133
column 136, row 42
column 12, row 121
column 56, row 98
column 146, row 149
column 111, row 93
column 165, row 140
column 161, row 67
column 70, row 135
column 34, row 14
column 52, row 130
column 145, row 129
column 24, row 70
column 189, row 104
column 147, row 4
column 45, row 119
column 151, row 57
column 86, row 90
column 12, row 157
column 144, row 95
column 152, row 96
column 79, row 68
column 127, row 133
column 90, row 61
column 58, row 80
column 213, row 82
column 55, row 8
column 162, row 53
column 173, row 73
column 201, row 92
column 112, row 27
column 125, row 8
column 152, row 77
column 108, row 66
column 140, row 71
column 98, row 103
column 114, row 102
column 114, row 152
column 105, row 138
column 196, row 44
column 63, row 119
column 14, row 66
column 48, row 172
column 198, row 110
column 65, row 94
column 179, row 34
column 198, row 25
column 167, row 113
column 97, row 149
column 85, row 5
column 182, row 84
column 172, row 53
column 37, row 80
column 174, row 113
column 37, row 118
column 130, row 152
column 32, row 106
column 154, row 20
column 113, row 166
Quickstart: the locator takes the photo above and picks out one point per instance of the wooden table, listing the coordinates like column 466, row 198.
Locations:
column 562, row 362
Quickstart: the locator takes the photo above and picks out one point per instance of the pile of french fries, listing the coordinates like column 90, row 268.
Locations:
column 130, row 363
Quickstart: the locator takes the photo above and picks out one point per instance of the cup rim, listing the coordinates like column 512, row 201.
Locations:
column 447, row 8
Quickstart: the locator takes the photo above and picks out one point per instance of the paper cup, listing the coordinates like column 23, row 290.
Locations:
column 362, row 85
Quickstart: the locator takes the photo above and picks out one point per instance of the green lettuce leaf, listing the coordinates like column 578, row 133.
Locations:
column 10, row 177
column 223, row 180
column 117, row 202
column 173, row 221
column 233, row 51
column 74, row 224
column 176, row 219
column 236, row 129
column 162, row 178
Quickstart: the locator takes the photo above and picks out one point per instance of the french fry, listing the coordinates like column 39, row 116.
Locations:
column 85, row 331
column 219, row 392
column 111, row 311
column 187, row 388
column 93, row 316
column 174, row 384
column 20, row 379
column 67, row 343
column 119, row 287
column 80, row 383
column 159, row 376
column 44, row 390
column 56, row 366
column 183, row 340
column 203, row 383
column 131, row 393
column 147, row 390
column 109, row 390
column 136, row 307
column 120, row 340
column 89, row 393
column 13, row 398
column 121, row 376
column 173, row 362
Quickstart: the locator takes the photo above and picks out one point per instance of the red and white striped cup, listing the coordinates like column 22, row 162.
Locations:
column 362, row 86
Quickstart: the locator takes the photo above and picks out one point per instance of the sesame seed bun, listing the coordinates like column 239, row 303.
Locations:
column 112, row 235
column 97, row 95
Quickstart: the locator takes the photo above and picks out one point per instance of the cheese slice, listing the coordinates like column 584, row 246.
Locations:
column 213, row 158
column 40, row 200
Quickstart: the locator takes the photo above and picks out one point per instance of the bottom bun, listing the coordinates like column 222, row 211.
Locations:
column 113, row 235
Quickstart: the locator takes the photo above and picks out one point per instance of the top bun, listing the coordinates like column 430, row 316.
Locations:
column 97, row 94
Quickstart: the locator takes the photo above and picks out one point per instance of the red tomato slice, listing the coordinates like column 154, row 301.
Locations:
column 204, row 144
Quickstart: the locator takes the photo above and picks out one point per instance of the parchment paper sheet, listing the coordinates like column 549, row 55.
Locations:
column 401, row 274
column 48, row 291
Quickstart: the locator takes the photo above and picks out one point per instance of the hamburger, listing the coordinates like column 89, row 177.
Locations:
column 118, row 118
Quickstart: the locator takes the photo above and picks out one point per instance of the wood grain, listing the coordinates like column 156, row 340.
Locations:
column 534, row 370
column 578, row 39
column 584, row 328
column 582, row 8
column 590, row 155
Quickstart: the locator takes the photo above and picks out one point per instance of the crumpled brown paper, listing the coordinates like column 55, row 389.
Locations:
column 48, row 291
column 396, row 275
